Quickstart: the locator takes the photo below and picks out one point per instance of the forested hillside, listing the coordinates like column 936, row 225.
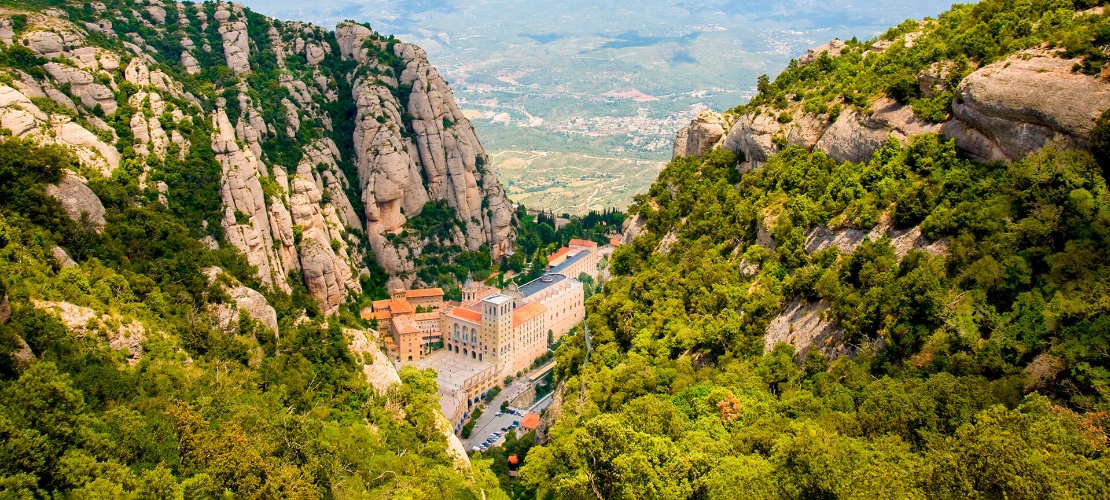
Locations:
column 192, row 200
column 915, row 324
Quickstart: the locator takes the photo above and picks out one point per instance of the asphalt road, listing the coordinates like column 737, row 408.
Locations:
column 489, row 422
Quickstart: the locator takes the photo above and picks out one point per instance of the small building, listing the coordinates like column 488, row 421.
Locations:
column 577, row 258
column 529, row 422
column 413, row 334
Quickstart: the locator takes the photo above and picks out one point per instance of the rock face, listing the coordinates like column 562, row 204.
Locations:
column 309, row 185
column 1003, row 111
column 701, row 135
column 246, row 299
column 419, row 150
column 1013, row 107
column 78, row 200
column 804, row 326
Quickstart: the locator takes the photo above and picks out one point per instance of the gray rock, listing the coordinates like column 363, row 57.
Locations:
column 78, row 200
column 1026, row 101
column 704, row 132
column 62, row 258
column 45, row 43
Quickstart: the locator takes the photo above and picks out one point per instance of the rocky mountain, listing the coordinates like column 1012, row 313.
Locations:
column 1000, row 111
column 868, row 281
column 995, row 110
column 309, row 148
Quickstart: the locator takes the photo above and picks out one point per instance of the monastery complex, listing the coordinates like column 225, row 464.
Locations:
column 491, row 334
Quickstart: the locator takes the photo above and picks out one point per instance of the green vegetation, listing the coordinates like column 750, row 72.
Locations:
column 204, row 410
column 948, row 48
column 153, row 396
column 499, row 455
column 956, row 357
column 468, row 428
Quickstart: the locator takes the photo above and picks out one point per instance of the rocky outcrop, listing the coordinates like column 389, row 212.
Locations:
column 233, row 31
column 702, row 134
column 25, row 120
column 82, row 86
column 443, row 160
column 806, row 326
column 62, row 258
column 846, row 239
column 323, row 251
column 44, row 43
column 833, row 48
column 290, row 209
column 245, row 299
column 246, row 219
column 79, row 202
column 82, row 321
column 1013, row 107
column 1002, row 111
column 632, row 227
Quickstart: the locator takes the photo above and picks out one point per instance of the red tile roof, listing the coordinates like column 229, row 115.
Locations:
column 404, row 325
column 530, row 421
column 400, row 307
column 559, row 253
column 466, row 314
column 378, row 315
column 529, row 311
column 429, row 316
column 381, row 305
column 422, row 293
column 582, row 243
column 615, row 241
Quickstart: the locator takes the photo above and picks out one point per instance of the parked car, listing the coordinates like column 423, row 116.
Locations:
column 477, row 448
column 514, row 426
column 500, row 413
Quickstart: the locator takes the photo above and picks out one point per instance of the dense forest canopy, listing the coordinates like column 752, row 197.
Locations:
column 950, row 47
column 966, row 342
column 971, row 360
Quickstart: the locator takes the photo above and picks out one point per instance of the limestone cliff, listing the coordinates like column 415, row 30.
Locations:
column 413, row 145
column 1001, row 111
column 325, row 143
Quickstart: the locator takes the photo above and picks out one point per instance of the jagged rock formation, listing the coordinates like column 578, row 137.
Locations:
column 416, row 149
column 79, row 202
column 1002, row 111
column 245, row 299
column 337, row 140
column 700, row 135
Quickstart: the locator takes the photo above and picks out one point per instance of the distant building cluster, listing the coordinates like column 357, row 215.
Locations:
column 492, row 333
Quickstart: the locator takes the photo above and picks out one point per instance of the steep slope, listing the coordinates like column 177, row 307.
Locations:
column 913, row 323
column 1001, row 96
column 183, row 235
column 327, row 142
